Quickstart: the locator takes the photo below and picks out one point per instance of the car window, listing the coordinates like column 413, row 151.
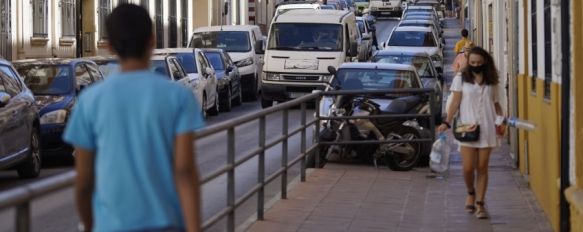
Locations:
column 412, row 39
column 44, row 79
column 369, row 79
column 203, row 61
column 231, row 41
column 173, row 69
column 180, row 68
column 422, row 64
column 10, row 72
column 228, row 59
column 82, row 77
column 361, row 26
column 10, row 85
column 187, row 61
column 94, row 71
column 160, row 67
column 216, row 60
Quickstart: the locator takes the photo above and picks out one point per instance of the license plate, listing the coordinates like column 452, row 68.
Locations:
column 297, row 95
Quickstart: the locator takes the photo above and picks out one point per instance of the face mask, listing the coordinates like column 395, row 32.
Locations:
column 477, row 69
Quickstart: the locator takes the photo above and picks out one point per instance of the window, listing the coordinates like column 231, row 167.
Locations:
column 173, row 26
column 184, row 22
column 548, row 50
column 104, row 10
column 68, row 18
column 231, row 41
column 145, row 4
column 46, row 79
column 11, row 86
column 119, row 2
column 159, row 24
column 533, row 45
column 40, row 17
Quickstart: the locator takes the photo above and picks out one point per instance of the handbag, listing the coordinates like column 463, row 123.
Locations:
column 465, row 132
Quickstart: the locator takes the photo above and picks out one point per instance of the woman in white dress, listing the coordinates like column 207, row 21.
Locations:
column 475, row 96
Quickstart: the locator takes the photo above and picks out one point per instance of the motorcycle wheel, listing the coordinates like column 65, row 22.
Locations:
column 311, row 158
column 400, row 163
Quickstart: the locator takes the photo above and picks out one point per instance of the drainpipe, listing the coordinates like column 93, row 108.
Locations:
column 565, row 111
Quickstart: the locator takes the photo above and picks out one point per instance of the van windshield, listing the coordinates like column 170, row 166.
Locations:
column 306, row 37
column 230, row 41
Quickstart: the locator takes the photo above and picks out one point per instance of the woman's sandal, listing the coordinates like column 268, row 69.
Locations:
column 481, row 212
column 471, row 207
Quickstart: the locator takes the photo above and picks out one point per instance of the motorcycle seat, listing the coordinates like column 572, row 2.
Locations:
column 401, row 105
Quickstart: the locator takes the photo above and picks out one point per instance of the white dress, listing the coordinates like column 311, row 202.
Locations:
column 477, row 107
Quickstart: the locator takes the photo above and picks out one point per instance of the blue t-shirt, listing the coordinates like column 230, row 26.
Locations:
column 130, row 121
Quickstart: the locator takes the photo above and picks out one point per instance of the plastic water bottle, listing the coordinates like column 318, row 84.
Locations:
column 521, row 124
column 439, row 157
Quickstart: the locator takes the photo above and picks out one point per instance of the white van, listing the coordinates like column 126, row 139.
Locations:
column 244, row 43
column 301, row 45
column 286, row 6
column 386, row 8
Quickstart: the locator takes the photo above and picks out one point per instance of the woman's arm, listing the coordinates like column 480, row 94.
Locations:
column 456, row 99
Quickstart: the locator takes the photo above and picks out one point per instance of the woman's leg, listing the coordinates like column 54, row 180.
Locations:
column 469, row 158
column 483, row 162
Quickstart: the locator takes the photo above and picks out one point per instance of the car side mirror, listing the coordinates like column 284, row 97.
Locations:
column 4, row 99
column 332, row 70
column 209, row 71
column 228, row 69
column 353, row 50
column 259, row 49
column 177, row 75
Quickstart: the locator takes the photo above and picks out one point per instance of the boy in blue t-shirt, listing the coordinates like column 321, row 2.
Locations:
column 134, row 140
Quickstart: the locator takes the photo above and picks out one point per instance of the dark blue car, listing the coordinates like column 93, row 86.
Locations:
column 228, row 76
column 56, row 84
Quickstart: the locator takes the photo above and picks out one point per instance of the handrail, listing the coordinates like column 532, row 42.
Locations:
column 21, row 197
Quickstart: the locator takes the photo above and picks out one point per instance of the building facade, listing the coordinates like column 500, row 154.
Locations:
column 525, row 38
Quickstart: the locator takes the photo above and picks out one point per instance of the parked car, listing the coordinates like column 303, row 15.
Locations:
column 170, row 66
column 228, row 76
column 200, row 79
column 422, row 23
column 328, row 7
column 365, row 45
column 56, row 83
column 419, row 39
column 19, row 125
column 107, row 64
column 244, row 43
column 426, row 71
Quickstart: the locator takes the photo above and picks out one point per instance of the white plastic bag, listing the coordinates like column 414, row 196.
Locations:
column 439, row 157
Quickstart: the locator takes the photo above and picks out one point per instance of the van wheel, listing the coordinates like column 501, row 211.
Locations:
column 31, row 167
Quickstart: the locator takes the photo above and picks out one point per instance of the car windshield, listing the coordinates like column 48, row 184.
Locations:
column 159, row 67
column 376, row 79
column 419, row 17
column 421, row 63
column 230, row 41
column 108, row 67
column 306, row 37
column 187, row 61
column 361, row 0
column 412, row 39
column 327, row 7
column 44, row 79
column 361, row 26
column 216, row 60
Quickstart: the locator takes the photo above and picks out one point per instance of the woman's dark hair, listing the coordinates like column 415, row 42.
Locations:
column 129, row 31
column 490, row 74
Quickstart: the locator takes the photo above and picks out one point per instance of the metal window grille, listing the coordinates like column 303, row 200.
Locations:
column 40, row 10
column 119, row 2
column 5, row 30
column 184, row 22
column 173, row 25
column 533, row 45
column 159, row 24
column 145, row 4
column 548, row 50
column 68, row 21
column 104, row 11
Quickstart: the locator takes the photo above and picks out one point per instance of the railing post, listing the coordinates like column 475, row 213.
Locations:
column 231, row 179
column 431, row 118
column 23, row 217
column 261, row 167
column 303, row 144
column 284, row 154
column 317, row 131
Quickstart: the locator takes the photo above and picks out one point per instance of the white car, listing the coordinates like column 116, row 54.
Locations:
column 201, row 75
column 418, row 39
column 365, row 46
column 423, row 23
column 244, row 43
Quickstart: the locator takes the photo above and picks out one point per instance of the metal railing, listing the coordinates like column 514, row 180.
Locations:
column 21, row 197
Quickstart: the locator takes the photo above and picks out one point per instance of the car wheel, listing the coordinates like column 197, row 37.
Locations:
column 31, row 167
column 215, row 109
column 266, row 103
column 252, row 94
column 226, row 103
column 239, row 98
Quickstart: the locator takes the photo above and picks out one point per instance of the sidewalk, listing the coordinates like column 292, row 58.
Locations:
column 361, row 198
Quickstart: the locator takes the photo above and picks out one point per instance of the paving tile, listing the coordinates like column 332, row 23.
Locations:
column 267, row 226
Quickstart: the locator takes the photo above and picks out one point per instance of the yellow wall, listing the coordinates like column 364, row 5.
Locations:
column 543, row 144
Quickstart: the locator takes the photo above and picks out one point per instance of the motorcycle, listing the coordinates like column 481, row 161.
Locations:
column 397, row 156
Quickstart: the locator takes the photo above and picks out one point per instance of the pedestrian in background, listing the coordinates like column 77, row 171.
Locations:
column 461, row 60
column 133, row 138
column 462, row 42
column 475, row 97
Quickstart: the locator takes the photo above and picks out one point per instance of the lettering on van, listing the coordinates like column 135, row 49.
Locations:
column 301, row 64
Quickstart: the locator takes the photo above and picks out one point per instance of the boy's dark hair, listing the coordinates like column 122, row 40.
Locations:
column 129, row 30
column 465, row 32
